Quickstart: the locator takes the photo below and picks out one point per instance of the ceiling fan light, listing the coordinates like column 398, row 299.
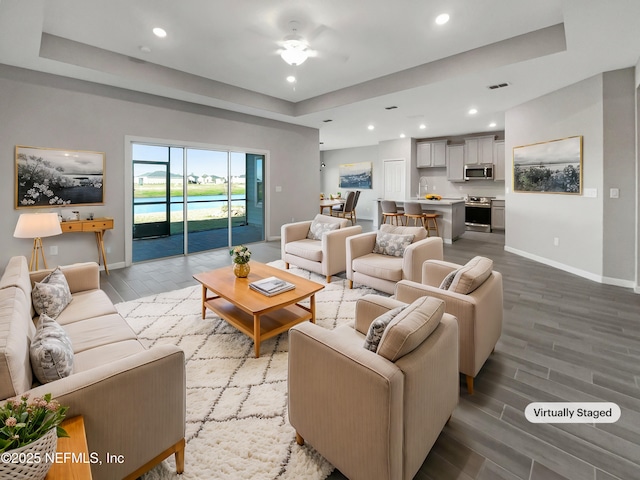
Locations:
column 294, row 56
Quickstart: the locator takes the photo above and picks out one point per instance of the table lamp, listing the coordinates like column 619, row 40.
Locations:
column 36, row 226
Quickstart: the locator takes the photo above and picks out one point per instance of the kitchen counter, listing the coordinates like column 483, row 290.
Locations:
column 451, row 219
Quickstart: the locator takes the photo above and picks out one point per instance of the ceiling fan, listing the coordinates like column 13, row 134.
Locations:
column 295, row 48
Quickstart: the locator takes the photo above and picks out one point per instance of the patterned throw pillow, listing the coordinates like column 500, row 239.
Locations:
column 376, row 329
column 318, row 228
column 392, row 244
column 52, row 295
column 448, row 280
column 51, row 351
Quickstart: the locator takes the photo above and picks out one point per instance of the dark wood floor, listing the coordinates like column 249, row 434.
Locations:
column 564, row 339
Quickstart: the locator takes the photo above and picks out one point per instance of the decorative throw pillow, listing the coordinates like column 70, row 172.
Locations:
column 448, row 280
column 52, row 295
column 392, row 244
column 51, row 351
column 376, row 329
column 318, row 228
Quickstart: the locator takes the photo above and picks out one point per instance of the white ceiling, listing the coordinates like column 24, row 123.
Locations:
column 371, row 54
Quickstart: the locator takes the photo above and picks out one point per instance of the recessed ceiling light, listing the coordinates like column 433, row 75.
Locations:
column 371, row 127
column 402, row 135
column 473, row 111
column 159, row 32
column 291, row 79
column 442, row 18
column 492, row 124
column 422, row 126
column 144, row 49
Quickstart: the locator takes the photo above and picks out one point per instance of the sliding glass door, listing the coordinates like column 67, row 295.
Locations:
column 188, row 200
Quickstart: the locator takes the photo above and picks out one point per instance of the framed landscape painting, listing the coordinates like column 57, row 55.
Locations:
column 549, row 167
column 46, row 177
column 355, row 175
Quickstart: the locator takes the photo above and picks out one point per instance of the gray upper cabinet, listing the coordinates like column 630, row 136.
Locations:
column 478, row 150
column 455, row 163
column 498, row 161
column 432, row 154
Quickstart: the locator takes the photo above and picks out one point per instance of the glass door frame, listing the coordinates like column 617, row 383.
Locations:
column 128, row 179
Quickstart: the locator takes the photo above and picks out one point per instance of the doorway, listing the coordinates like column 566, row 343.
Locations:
column 188, row 200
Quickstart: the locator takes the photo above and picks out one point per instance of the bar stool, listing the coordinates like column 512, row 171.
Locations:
column 413, row 210
column 390, row 210
column 431, row 223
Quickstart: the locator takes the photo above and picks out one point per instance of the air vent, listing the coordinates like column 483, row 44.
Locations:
column 327, row 120
column 392, row 107
column 498, row 85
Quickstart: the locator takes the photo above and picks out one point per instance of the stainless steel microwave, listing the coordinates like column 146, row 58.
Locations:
column 478, row 172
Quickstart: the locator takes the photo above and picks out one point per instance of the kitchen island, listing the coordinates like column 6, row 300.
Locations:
column 451, row 219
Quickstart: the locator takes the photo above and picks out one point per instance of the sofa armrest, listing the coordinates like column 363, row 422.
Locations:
column 434, row 271
column 358, row 246
column 334, row 386
column 370, row 307
column 80, row 276
column 292, row 232
column 419, row 252
column 133, row 407
column 334, row 246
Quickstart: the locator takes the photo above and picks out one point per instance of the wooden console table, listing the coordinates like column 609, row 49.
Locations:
column 76, row 443
column 97, row 226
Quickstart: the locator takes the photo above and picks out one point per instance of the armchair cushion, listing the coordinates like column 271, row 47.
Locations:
column 379, row 266
column 318, row 228
column 377, row 327
column 472, row 275
column 419, row 233
column 52, row 294
column 51, row 351
column 410, row 328
column 392, row 244
column 309, row 249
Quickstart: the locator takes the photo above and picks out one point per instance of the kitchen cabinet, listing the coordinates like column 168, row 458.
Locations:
column 498, row 161
column 432, row 154
column 455, row 163
column 478, row 150
column 497, row 215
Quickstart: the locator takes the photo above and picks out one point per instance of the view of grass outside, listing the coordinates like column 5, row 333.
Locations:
column 202, row 216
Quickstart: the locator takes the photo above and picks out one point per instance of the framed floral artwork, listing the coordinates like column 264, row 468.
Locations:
column 48, row 177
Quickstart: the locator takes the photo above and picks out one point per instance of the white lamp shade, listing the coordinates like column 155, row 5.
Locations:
column 37, row 225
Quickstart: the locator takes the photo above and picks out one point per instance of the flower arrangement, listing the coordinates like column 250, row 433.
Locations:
column 25, row 420
column 240, row 254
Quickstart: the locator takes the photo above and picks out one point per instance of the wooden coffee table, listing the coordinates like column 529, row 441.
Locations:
column 254, row 314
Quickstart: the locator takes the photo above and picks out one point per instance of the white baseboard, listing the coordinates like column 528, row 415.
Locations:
column 114, row 266
column 575, row 271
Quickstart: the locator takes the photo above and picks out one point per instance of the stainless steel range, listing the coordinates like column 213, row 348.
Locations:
column 477, row 213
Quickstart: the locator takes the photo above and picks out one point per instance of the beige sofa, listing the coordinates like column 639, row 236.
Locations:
column 375, row 414
column 132, row 398
column 326, row 256
column 381, row 271
column 476, row 300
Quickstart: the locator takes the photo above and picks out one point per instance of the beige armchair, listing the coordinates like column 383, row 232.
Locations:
column 383, row 271
column 325, row 255
column 479, row 312
column 375, row 414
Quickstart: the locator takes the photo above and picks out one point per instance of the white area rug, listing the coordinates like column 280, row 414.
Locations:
column 237, row 423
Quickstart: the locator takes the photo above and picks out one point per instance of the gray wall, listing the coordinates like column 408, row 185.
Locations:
column 329, row 176
column 598, row 109
column 43, row 110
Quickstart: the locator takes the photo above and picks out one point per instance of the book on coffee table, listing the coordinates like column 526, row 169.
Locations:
column 271, row 286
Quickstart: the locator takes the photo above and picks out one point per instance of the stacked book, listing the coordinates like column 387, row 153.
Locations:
column 271, row 286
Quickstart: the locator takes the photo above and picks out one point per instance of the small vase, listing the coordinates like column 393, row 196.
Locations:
column 43, row 449
column 241, row 270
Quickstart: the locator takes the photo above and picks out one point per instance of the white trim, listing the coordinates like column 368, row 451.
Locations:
column 575, row 271
column 128, row 179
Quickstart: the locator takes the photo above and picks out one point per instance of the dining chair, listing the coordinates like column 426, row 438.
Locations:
column 347, row 208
